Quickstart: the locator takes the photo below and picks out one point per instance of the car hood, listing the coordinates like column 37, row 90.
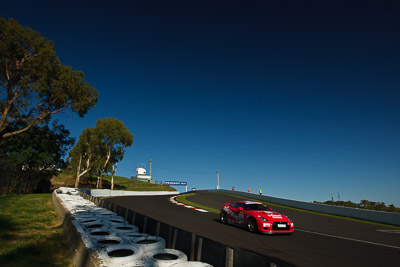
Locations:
column 269, row 214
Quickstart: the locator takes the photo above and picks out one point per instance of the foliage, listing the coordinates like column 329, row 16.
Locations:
column 29, row 159
column 100, row 147
column 364, row 204
column 86, row 154
column 62, row 179
column 34, row 84
column 31, row 233
column 115, row 137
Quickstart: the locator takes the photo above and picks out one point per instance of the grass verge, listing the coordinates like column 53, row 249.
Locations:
column 182, row 199
column 120, row 183
column 31, row 233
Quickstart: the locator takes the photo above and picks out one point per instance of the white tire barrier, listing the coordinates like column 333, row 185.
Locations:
column 105, row 213
column 191, row 264
column 95, row 225
column 80, row 210
column 149, row 243
column 85, row 216
column 100, row 233
column 63, row 190
column 119, row 243
column 117, row 254
column 116, row 219
column 73, row 192
column 129, row 236
column 136, row 263
column 90, row 208
column 107, row 241
column 124, row 228
column 84, row 220
column 164, row 257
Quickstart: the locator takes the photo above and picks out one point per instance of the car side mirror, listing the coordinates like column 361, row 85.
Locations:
column 240, row 208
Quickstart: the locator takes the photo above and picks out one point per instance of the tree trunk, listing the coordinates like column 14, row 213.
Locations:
column 78, row 172
column 103, row 170
column 19, row 183
column 9, row 185
column 26, row 185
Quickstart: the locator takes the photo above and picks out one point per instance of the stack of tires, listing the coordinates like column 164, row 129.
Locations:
column 117, row 242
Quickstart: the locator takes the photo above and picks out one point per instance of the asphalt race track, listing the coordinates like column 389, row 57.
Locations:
column 317, row 240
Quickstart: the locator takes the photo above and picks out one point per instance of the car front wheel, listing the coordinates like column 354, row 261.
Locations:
column 252, row 225
column 223, row 218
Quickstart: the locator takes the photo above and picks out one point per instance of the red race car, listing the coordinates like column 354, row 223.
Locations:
column 256, row 217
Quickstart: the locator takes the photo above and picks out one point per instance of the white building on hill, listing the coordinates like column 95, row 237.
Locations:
column 142, row 176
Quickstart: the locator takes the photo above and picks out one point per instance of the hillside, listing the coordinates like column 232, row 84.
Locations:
column 120, row 183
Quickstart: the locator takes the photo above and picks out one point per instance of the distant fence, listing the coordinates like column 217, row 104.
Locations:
column 368, row 215
column 115, row 193
column 19, row 180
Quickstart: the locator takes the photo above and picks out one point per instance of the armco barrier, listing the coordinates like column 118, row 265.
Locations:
column 196, row 247
column 368, row 215
column 114, row 193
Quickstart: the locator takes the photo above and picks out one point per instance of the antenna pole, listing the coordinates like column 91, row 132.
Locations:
column 150, row 166
column 218, row 179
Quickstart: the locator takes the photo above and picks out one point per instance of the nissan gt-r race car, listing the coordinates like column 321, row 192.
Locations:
column 256, row 217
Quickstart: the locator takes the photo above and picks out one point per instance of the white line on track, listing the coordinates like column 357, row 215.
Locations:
column 346, row 238
column 172, row 199
column 390, row 231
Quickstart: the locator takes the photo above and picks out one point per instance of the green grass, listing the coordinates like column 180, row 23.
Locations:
column 182, row 199
column 31, row 234
column 122, row 183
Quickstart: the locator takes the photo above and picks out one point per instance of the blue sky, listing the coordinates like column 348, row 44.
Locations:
column 298, row 99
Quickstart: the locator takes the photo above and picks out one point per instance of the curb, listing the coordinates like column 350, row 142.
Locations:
column 174, row 201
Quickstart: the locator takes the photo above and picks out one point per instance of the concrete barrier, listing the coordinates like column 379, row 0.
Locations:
column 115, row 193
column 391, row 218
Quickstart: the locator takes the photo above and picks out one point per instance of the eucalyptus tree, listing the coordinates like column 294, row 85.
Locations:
column 99, row 148
column 86, row 154
column 34, row 84
column 115, row 137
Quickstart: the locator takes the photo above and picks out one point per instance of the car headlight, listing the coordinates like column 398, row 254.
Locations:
column 262, row 218
column 288, row 218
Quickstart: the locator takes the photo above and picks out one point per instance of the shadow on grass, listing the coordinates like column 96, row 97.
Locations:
column 46, row 252
column 6, row 227
column 42, row 251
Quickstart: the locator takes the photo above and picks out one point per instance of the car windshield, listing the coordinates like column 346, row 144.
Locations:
column 256, row 207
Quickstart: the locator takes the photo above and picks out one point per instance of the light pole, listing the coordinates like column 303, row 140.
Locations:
column 218, row 179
